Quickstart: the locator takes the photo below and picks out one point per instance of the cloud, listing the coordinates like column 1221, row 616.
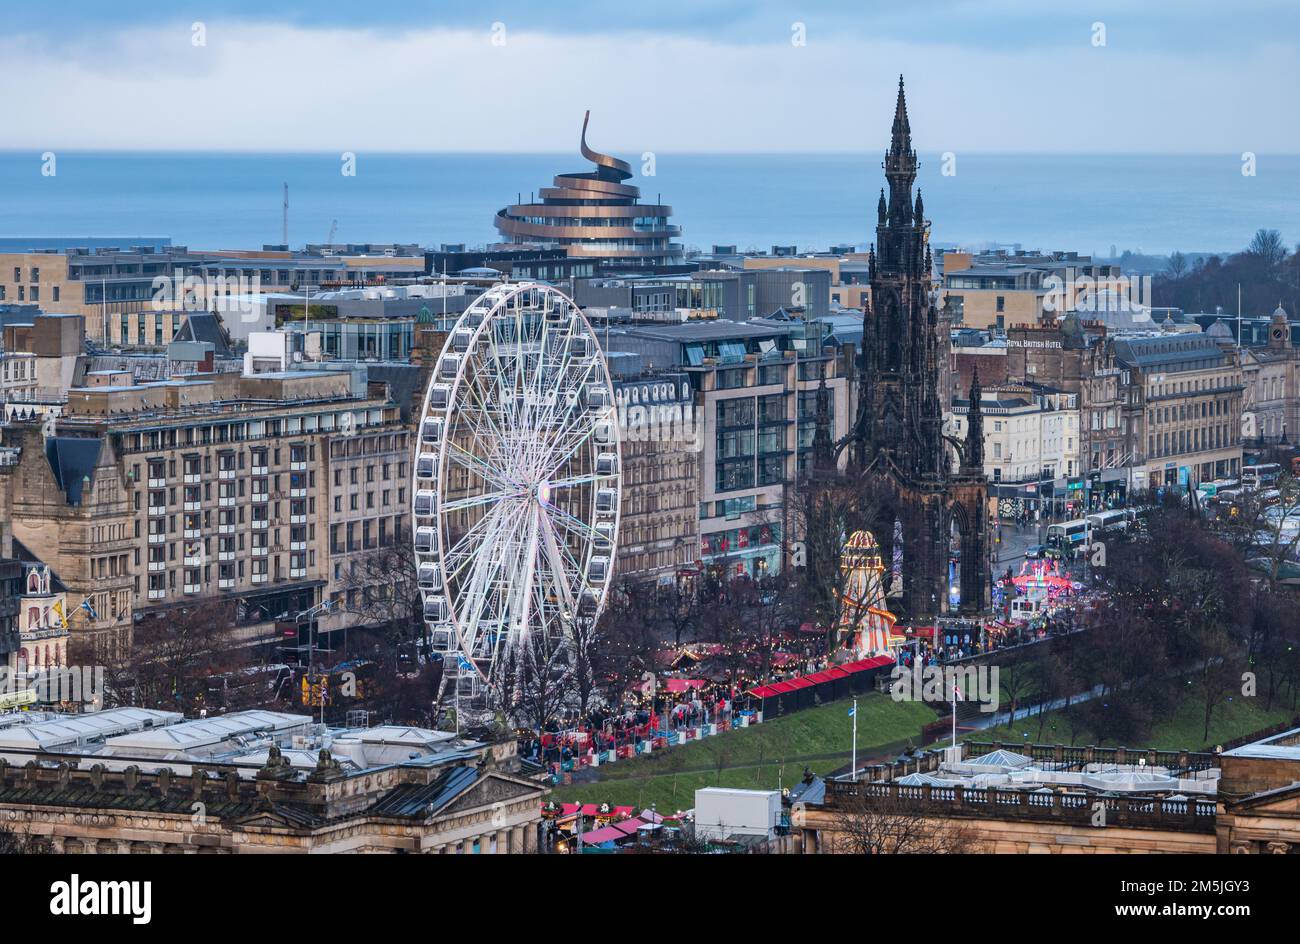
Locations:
column 258, row 85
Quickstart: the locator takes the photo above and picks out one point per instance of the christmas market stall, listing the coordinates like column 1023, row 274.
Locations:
column 805, row 691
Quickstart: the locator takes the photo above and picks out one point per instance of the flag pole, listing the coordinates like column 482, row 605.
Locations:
column 855, row 740
column 954, row 714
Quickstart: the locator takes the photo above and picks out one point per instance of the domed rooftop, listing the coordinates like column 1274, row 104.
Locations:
column 1220, row 331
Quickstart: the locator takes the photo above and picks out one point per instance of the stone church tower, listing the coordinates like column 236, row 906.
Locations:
column 898, row 444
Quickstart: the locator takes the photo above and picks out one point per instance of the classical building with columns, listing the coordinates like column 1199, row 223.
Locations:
column 1066, row 799
column 132, row 780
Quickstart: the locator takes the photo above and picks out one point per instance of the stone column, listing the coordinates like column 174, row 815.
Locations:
column 503, row 841
column 517, row 839
column 467, row 847
column 90, row 846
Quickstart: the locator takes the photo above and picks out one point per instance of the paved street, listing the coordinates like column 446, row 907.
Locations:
column 1015, row 540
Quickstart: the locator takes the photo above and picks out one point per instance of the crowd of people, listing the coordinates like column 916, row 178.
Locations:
column 571, row 736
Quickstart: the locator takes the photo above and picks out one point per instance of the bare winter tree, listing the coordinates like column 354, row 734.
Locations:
column 536, row 681
column 171, row 658
column 406, row 697
column 1177, row 265
column 22, row 843
column 728, row 620
column 1268, row 530
column 613, row 656
column 780, row 601
column 825, row 513
column 1268, row 246
column 678, row 605
column 885, row 824
column 380, row 590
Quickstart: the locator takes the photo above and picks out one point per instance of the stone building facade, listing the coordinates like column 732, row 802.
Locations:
column 1182, row 412
column 661, row 441
column 1252, row 804
column 1271, row 376
column 381, row 790
column 258, row 489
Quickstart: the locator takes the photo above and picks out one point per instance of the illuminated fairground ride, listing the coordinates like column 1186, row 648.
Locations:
column 517, row 490
column 864, row 617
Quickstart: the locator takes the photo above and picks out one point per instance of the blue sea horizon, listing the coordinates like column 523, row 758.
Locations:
column 1085, row 202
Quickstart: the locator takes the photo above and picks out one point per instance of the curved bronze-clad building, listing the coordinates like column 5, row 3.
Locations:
column 595, row 215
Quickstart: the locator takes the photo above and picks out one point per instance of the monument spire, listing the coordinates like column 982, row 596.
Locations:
column 975, row 425
column 822, row 445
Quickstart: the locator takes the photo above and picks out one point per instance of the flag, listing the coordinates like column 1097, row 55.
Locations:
column 853, row 711
column 90, row 610
column 956, row 692
column 58, row 611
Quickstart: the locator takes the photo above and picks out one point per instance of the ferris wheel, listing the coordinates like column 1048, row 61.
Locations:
column 517, row 485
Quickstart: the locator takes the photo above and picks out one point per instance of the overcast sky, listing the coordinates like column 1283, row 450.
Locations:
column 1217, row 76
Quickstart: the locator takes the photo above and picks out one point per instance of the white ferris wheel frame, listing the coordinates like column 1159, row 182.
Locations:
column 516, row 524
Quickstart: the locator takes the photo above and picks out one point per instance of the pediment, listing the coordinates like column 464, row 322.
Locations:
column 493, row 788
column 263, row 820
column 1283, row 801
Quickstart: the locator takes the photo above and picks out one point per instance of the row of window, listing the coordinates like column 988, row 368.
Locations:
column 1188, row 411
column 1191, row 440
column 30, row 294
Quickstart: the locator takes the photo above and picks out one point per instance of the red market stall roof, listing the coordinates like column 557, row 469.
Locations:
column 875, row 662
column 818, row 678
column 613, row 832
column 828, row 675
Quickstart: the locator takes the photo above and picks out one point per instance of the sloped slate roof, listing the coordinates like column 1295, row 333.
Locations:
column 412, row 799
column 72, row 460
column 203, row 326
column 80, row 794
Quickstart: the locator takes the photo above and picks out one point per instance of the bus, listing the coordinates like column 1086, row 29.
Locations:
column 1255, row 476
column 1068, row 535
column 253, row 686
column 1117, row 520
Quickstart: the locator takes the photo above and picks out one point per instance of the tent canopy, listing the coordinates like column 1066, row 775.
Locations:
column 820, row 678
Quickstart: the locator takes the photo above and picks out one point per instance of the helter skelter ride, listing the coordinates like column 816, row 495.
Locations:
column 866, row 626
column 516, row 492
